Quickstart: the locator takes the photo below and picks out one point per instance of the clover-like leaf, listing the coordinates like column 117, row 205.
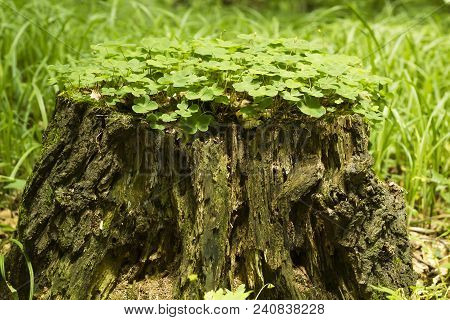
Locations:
column 311, row 106
column 135, row 91
column 348, row 92
column 145, row 105
column 192, row 95
column 112, row 101
column 222, row 99
column 245, row 86
column 197, row 122
column 169, row 117
column 328, row 83
column 239, row 294
column 249, row 111
column 109, row 91
column 152, row 87
column 264, row 91
column 206, row 94
column 185, row 111
column 292, row 95
column 313, row 92
column 153, row 121
column 212, row 51
column 293, row 84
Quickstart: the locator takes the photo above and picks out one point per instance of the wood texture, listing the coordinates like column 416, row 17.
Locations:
column 114, row 210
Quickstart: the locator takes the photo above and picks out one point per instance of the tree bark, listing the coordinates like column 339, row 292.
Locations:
column 115, row 210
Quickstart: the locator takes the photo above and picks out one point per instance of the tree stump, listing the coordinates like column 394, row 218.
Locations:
column 117, row 210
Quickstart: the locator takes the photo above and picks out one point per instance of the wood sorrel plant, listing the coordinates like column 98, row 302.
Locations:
column 186, row 85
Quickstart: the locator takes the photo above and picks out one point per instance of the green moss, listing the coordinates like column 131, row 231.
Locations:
column 189, row 84
column 105, row 277
column 107, row 219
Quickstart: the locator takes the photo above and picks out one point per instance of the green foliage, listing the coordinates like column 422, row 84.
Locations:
column 312, row 107
column 186, row 83
column 390, row 294
column 144, row 105
column 239, row 294
column 437, row 291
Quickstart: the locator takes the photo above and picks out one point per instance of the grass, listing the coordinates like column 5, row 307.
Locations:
column 3, row 276
column 406, row 41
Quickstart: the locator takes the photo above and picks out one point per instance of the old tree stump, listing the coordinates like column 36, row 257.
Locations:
column 115, row 209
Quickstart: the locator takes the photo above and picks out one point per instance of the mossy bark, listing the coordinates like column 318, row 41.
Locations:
column 114, row 210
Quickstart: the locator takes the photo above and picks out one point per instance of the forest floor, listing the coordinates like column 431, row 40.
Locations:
column 430, row 254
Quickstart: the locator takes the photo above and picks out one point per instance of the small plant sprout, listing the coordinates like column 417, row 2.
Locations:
column 268, row 286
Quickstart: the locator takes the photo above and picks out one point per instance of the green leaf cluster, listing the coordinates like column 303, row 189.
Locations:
column 189, row 84
column 239, row 294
